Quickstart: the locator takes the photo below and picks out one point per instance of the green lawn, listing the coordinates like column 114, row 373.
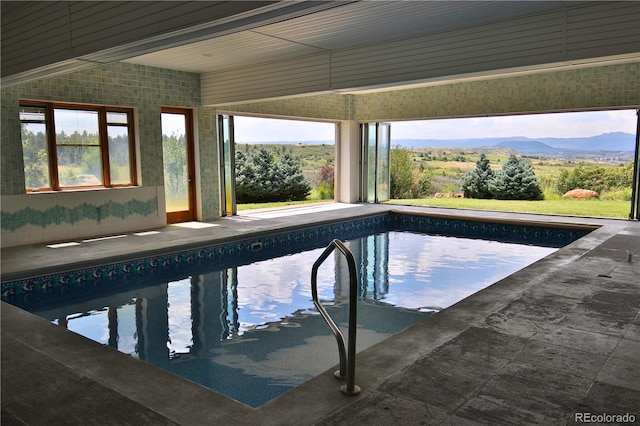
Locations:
column 590, row 208
column 567, row 207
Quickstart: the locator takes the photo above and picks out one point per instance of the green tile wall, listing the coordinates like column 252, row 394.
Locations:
column 12, row 169
column 208, row 163
column 147, row 90
column 610, row 86
column 325, row 107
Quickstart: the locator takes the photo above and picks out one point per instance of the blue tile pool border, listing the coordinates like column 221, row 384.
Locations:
column 130, row 273
column 510, row 232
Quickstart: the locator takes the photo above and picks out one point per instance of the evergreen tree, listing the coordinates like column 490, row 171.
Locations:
column 475, row 183
column 293, row 186
column 261, row 178
column 516, row 181
column 246, row 182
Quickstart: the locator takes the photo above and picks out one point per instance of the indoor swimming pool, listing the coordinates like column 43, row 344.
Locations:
column 239, row 318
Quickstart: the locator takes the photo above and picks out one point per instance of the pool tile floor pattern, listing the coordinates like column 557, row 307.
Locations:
column 552, row 341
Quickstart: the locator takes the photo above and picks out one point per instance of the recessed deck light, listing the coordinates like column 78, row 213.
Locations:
column 144, row 234
column 194, row 225
column 62, row 245
column 111, row 237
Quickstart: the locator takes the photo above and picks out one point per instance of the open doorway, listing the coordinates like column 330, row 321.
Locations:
column 178, row 164
column 581, row 163
column 268, row 162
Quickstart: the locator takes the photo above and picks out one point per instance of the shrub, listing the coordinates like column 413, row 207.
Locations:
column 619, row 195
column 325, row 182
column 401, row 173
column 589, row 177
column 596, row 178
column 422, row 185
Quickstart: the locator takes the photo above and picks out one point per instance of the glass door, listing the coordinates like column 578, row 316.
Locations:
column 227, row 166
column 376, row 171
column 178, row 163
column 383, row 169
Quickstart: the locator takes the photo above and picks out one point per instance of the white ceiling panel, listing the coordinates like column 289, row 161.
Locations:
column 342, row 27
column 226, row 52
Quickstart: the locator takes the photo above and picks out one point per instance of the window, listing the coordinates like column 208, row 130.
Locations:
column 70, row 146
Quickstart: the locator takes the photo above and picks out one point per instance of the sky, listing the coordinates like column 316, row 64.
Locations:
column 561, row 125
column 256, row 129
column 558, row 125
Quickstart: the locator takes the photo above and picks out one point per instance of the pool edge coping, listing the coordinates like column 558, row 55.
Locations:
column 312, row 401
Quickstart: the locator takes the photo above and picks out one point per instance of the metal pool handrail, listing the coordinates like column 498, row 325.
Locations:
column 347, row 364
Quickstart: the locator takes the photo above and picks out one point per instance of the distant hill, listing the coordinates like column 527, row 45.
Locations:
column 608, row 145
column 287, row 143
column 616, row 141
column 528, row 147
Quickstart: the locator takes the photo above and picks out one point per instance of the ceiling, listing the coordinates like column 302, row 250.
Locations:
column 345, row 25
column 261, row 34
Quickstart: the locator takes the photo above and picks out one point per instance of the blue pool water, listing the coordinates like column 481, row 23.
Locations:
column 250, row 331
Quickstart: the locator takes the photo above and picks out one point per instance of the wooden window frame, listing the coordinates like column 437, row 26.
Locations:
column 103, row 138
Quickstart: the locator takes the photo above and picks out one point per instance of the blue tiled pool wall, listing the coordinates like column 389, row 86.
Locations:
column 504, row 232
column 139, row 272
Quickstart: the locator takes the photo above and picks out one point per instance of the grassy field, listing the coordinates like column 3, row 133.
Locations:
column 566, row 207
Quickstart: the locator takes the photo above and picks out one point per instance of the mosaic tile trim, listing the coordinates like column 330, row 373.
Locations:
column 58, row 215
column 235, row 253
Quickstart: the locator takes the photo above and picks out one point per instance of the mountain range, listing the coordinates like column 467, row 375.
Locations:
column 609, row 142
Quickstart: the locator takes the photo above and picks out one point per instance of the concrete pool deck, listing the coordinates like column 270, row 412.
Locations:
column 546, row 345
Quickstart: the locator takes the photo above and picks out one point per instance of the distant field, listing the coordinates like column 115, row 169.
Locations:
column 457, row 161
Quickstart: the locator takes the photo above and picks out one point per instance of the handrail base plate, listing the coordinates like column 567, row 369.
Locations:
column 355, row 391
